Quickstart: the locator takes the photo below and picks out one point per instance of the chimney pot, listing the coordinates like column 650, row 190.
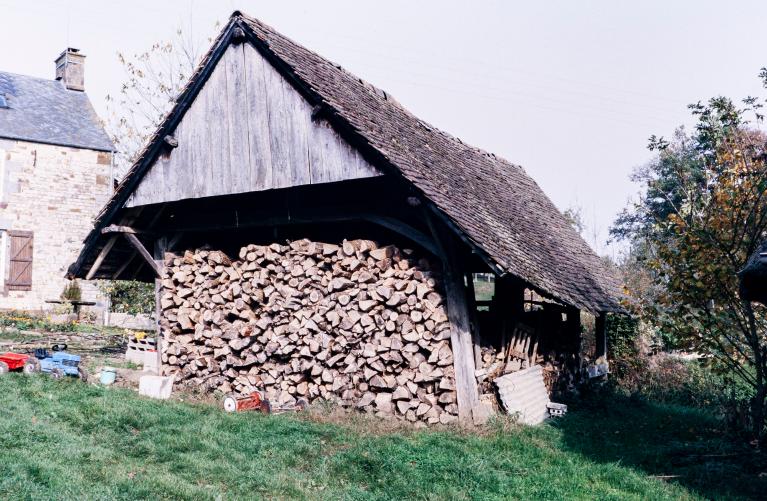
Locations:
column 70, row 69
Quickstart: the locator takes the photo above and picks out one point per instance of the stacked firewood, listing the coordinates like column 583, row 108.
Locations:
column 357, row 324
column 521, row 351
column 560, row 373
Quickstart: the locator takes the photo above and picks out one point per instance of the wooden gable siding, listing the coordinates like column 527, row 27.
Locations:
column 248, row 130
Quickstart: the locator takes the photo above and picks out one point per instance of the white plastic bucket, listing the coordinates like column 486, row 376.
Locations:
column 108, row 376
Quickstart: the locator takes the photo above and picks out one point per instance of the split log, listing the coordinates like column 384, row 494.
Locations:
column 358, row 324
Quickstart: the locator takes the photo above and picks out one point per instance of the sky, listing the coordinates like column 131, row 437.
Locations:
column 570, row 90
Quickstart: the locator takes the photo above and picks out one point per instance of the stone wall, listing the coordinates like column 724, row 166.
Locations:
column 54, row 192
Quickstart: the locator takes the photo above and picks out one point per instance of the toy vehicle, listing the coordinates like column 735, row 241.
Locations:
column 256, row 402
column 58, row 364
column 16, row 361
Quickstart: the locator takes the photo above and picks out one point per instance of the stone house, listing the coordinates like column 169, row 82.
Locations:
column 55, row 174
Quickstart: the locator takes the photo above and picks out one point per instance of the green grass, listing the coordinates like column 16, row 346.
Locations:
column 685, row 445
column 66, row 440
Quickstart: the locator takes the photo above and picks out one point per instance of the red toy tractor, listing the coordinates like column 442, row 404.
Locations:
column 17, row 361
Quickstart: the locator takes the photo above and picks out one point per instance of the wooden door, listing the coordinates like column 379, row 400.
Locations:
column 20, row 262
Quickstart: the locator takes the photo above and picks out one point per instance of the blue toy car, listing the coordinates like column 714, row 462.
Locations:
column 58, row 364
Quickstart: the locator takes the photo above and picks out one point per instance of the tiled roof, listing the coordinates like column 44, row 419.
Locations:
column 44, row 111
column 493, row 203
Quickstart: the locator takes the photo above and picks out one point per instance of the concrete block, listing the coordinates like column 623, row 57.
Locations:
column 146, row 359
column 151, row 362
column 156, row 386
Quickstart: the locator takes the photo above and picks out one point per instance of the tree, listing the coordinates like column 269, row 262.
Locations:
column 154, row 78
column 574, row 216
column 702, row 213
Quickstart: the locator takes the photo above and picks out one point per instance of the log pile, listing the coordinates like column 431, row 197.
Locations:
column 520, row 352
column 356, row 324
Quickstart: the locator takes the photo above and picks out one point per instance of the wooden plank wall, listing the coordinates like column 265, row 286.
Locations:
column 248, row 130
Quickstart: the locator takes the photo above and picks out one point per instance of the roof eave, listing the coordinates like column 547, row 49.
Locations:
column 58, row 143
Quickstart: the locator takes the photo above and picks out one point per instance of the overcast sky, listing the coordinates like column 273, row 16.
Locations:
column 570, row 90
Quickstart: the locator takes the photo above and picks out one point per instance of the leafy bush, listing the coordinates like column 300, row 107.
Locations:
column 129, row 296
column 623, row 344
column 72, row 292
column 671, row 379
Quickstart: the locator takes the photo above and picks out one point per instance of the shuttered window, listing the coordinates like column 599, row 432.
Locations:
column 20, row 261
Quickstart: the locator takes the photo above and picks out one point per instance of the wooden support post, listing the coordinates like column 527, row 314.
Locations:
column 601, row 336
column 160, row 246
column 133, row 239
column 100, row 258
column 467, row 393
column 574, row 333
column 508, row 307
column 474, row 318
column 461, row 342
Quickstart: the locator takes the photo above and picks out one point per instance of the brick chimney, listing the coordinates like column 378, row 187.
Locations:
column 70, row 69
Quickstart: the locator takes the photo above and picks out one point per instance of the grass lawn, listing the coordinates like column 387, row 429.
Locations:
column 66, row 440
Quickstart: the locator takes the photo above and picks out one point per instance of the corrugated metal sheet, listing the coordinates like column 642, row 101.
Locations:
column 524, row 393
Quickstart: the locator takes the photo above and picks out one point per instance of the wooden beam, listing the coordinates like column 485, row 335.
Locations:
column 124, row 229
column 160, row 246
column 115, row 228
column 100, row 258
column 136, row 243
column 474, row 318
column 128, row 219
column 467, row 392
column 601, row 336
column 405, row 230
column 326, row 216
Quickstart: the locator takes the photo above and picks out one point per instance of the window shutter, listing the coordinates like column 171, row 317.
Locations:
column 20, row 265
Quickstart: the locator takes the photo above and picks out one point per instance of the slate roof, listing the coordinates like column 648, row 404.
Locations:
column 493, row 204
column 45, row 111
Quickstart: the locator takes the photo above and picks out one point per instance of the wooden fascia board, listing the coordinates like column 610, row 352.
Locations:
column 153, row 149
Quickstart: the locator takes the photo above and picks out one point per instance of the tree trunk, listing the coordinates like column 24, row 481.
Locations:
column 758, row 400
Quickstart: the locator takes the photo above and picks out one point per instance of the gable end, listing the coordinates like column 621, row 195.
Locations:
column 248, row 130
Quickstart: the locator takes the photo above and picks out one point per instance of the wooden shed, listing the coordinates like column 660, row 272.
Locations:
column 269, row 142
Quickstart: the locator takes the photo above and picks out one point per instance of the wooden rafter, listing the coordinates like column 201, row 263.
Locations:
column 100, row 258
column 136, row 243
